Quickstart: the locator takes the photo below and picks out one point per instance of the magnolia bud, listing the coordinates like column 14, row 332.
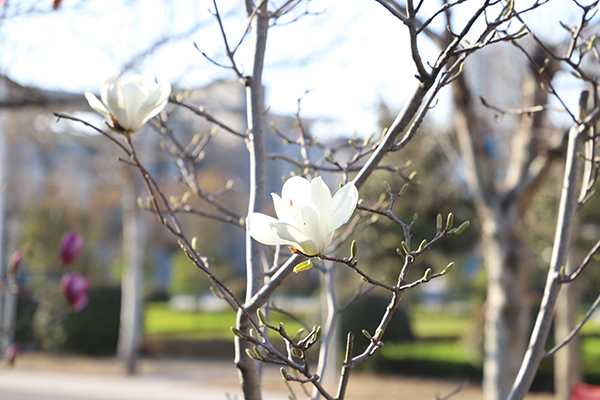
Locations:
column 448, row 268
column 14, row 263
column 403, row 189
column 353, row 250
column 296, row 353
column 449, row 221
column 11, row 353
column 236, row 332
column 427, row 275
column 462, row 227
column 262, row 317
column 195, row 243
column 405, row 247
column 71, row 245
column 303, row 266
column 250, row 354
column 439, row 222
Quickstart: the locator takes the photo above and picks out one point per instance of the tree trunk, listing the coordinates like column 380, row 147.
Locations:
column 249, row 369
column 567, row 369
column 130, row 333
column 507, row 306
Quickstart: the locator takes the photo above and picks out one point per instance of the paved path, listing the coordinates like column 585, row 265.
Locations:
column 38, row 385
column 51, row 377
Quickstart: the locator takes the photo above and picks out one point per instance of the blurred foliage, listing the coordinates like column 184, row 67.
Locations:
column 162, row 321
column 93, row 331
column 42, row 226
column 366, row 313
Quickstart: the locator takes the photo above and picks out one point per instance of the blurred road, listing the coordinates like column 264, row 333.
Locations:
column 39, row 376
column 38, row 385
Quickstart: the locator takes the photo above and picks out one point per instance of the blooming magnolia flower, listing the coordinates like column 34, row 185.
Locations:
column 75, row 287
column 71, row 245
column 14, row 263
column 11, row 353
column 130, row 102
column 308, row 215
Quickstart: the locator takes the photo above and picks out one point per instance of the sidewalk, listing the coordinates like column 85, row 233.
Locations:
column 50, row 377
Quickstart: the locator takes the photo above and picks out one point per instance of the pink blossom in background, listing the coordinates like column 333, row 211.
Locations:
column 11, row 353
column 14, row 263
column 71, row 245
column 75, row 287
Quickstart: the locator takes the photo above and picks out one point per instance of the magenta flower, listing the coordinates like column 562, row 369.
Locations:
column 71, row 245
column 75, row 287
column 14, row 262
column 11, row 353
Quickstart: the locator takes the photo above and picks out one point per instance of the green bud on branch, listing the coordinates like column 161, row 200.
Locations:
column 353, row 248
column 387, row 186
column 448, row 268
column 403, row 189
column 140, row 202
column 449, row 221
column 378, row 334
column 195, row 243
column 439, row 222
column 422, row 245
column 262, row 317
column 250, row 354
column 367, row 334
column 237, row 332
column 462, row 227
column 303, row 266
column 296, row 353
column 284, row 373
column 405, row 247
column 427, row 275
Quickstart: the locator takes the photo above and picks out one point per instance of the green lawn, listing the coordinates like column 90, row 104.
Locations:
column 435, row 352
column 438, row 325
column 160, row 321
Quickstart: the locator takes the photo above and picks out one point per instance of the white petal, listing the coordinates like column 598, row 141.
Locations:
column 342, row 206
column 133, row 98
column 97, row 104
column 268, row 230
column 112, row 97
column 321, row 196
column 284, row 212
column 297, row 189
column 313, row 228
column 156, row 102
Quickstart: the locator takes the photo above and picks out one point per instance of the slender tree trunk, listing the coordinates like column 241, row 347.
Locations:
column 567, row 369
column 507, row 307
column 3, row 176
column 328, row 369
column 249, row 369
column 9, row 305
column 130, row 333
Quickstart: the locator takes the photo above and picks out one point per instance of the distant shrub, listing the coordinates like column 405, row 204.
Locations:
column 93, row 331
column 366, row 314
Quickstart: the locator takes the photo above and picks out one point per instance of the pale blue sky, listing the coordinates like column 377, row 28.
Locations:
column 352, row 55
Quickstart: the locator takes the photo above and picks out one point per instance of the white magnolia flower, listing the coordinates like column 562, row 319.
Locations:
column 308, row 215
column 130, row 102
